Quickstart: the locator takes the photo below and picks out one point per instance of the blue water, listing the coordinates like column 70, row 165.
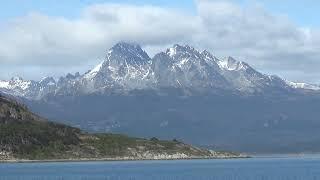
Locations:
column 234, row 169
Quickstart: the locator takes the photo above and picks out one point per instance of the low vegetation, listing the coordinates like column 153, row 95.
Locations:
column 24, row 135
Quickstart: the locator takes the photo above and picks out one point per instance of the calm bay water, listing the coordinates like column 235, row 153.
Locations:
column 234, row 169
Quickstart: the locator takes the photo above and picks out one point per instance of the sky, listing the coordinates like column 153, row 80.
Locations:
column 51, row 38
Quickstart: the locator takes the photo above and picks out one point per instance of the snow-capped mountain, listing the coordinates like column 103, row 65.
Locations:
column 185, row 67
column 128, row 67
column 305, row 86
column 15, row 83
column 16, row 86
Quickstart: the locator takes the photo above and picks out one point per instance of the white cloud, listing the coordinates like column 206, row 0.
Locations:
column 269, row 42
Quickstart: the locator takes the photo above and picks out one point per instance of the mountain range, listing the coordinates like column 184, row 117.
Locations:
column 127, row 67
column 183, row 93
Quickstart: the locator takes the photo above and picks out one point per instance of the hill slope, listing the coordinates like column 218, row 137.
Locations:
column 24, row 135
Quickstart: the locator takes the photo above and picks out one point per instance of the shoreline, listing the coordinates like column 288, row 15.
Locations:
column 115, row 159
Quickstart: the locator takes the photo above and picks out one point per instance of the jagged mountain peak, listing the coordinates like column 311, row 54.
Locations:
column 126, row 45
column 131, row 52
column 184, row 47
column 178, row 51
column 121, row 56
column 20, row 83
column 126, row 66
